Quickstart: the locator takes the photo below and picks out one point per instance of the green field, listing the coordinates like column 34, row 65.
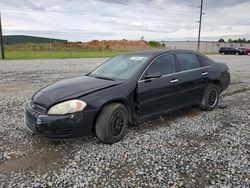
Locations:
column 58, row 54
column 68, row 50
column 60, row 51
column 62, row 54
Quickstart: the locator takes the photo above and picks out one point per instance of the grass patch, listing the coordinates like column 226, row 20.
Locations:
column 58, row 54
column 29, row 54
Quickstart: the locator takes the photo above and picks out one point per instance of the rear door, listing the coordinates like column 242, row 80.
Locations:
column 193, row 77
column 157, row 95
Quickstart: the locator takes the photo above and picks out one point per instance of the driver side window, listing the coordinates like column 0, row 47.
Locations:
column 163, row 65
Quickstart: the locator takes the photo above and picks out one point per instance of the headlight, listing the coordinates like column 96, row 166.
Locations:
column 67, row 107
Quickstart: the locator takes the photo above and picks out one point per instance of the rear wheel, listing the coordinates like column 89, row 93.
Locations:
column 210, row 98
column 112, row 123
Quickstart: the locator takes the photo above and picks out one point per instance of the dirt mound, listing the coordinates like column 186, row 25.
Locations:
column 92, row 45
column 117, row 44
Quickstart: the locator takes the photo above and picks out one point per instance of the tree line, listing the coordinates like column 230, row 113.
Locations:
column 239, row 40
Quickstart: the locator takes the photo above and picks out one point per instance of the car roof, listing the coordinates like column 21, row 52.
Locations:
column 159, row 52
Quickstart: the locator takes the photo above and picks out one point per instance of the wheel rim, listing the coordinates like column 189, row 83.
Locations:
column 212, row 97
column 117, row 123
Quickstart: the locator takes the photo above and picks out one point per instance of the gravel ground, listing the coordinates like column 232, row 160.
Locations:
column 189, row 148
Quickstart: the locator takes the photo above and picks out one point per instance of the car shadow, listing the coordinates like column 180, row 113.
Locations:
column 164, row 120
column 141, row 128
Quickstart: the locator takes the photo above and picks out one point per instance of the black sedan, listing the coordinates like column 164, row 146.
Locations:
column 232, row 51
column 126, row 89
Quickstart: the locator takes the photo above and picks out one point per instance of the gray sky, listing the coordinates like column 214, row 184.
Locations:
column 84, row 20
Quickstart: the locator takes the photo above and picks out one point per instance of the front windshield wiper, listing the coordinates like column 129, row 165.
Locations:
column 104, row 78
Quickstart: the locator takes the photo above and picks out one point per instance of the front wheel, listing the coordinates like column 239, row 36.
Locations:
column 112, row 123
column 210, row 98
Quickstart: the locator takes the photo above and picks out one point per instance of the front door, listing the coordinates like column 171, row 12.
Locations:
column 156, row 95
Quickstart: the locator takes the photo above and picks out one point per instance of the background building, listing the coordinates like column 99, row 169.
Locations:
column 17, row 39
column 205, row 46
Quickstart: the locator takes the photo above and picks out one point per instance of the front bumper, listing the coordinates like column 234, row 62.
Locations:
column 59, row 126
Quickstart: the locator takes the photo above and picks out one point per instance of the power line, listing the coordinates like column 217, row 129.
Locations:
column 226, row 18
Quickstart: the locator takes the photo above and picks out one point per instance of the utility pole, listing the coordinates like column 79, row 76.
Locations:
column 1, row 38
column 199, row 35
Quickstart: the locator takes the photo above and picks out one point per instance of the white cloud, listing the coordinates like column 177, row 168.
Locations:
column 116, row 19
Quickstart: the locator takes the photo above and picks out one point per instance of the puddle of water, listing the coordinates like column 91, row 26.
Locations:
column 199, row 139
column 44, row 161
column 192, row 113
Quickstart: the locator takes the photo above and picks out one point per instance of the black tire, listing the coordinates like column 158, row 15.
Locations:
column 112, row 123
column 210, row 98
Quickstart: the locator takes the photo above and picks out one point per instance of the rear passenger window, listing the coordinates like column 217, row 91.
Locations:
column 188, row 61
column 165, row 64
column 204, row 61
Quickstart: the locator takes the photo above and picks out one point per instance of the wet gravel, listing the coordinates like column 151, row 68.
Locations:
column 189, row 148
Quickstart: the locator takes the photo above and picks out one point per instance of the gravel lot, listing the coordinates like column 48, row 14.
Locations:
column 190, row 148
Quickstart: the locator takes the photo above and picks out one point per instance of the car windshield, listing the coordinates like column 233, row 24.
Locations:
column 121, row 67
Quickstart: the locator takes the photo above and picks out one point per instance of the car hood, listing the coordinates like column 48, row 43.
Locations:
column 70, row 89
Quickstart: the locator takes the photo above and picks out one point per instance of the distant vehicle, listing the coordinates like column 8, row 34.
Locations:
column 128, row 88
column 240, row 51
column 232, row 51
column 227, row 50
column 247, row 51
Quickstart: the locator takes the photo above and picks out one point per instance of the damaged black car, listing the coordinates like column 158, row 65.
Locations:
column 124, row 90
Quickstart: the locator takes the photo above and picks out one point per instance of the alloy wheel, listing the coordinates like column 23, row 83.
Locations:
column 212, row 97
column 117, row 123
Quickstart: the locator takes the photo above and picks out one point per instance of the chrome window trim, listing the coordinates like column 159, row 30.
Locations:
column 153, row 62
column 172, row 73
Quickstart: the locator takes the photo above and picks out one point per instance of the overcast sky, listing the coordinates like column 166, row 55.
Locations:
column 85, row 20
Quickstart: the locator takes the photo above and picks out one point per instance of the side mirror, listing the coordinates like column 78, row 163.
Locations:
column 151, row 75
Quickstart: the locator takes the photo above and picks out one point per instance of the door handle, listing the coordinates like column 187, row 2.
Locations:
column 204, row 73
column 174, row 80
